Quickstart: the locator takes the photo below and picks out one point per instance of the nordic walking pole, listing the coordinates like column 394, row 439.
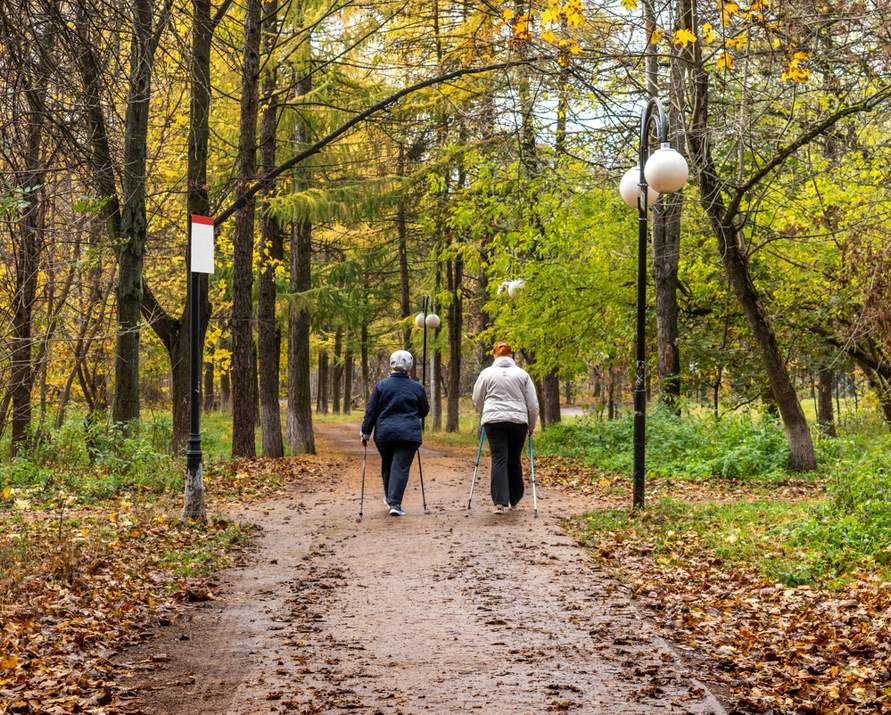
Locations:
column 532, row 475
column 476, row 466
column 362, row 494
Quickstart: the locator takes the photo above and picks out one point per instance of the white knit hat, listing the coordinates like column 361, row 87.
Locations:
column 401, row 360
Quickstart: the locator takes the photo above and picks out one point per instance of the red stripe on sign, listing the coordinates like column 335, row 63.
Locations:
column 202, row 219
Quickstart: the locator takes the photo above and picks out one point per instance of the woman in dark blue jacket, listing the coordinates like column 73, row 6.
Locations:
column 394, row 413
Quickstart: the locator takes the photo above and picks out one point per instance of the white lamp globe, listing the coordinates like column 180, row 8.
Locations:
column 629, row 189
column 666, row 170
column 514, row 287
column 419, row 320
column 433, row 321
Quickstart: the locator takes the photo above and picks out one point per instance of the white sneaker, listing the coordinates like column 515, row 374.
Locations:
column 499, row 509
column 396, row 511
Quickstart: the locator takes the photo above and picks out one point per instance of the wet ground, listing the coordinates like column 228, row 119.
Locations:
column 445, row 612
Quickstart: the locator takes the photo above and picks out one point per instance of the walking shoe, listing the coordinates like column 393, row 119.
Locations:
column 499, row 509
column 396, row 511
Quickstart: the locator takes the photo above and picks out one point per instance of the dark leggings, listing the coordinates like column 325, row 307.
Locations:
column 396, row 459
column 506, row 440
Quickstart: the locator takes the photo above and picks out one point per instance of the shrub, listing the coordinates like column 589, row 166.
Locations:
column 695, row 447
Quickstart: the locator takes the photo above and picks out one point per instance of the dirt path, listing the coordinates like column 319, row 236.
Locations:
column 442, row 613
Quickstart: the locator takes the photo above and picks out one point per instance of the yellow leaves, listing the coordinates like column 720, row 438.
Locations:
column 9, row 662
column 520, row 27
column 549, row 37
column 507, row 14
column 759, row 6
column 736, row 43
column 656, row 36
column 22, row 504
column 573, row 13
column 7, row 492
column 708, row 34
column 794, row 72
column 725, row 61
column 727, row 10
column 683, row 38
column 629, row 5
column 550, row 15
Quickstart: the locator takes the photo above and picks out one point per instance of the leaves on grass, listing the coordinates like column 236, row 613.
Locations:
column 75, row 585
column 778, row 649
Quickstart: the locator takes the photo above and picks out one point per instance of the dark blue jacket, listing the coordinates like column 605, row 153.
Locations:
column 395, row 410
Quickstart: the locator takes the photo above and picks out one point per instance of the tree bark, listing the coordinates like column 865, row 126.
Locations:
column 436, row 386
column 337, row 371
column 209, row 392
column 243, row 384
column 348, row 377
column 133, row 222
column 550, row 385
column 455, row 272
column 27, row 256
column 322, row 387
column 825, row 416
column 402, row 234
column 801, row 448
column 301, row 439
column 269, row 336
column 363, row 349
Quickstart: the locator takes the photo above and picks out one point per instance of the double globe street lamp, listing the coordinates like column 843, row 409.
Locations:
column 664, row 172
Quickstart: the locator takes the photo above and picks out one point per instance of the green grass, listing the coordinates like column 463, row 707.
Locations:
column 788, row 542
column 208, row 556
column 847, row 529
column 736, row 447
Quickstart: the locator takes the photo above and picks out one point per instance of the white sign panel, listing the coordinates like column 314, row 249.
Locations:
column 202, row 244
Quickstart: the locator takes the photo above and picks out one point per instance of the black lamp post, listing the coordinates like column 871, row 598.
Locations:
column 201, row 262
column 664, row 172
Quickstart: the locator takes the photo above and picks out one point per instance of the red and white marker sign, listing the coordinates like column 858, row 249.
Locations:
column 202, row 244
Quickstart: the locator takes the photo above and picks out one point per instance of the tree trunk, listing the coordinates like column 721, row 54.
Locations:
column 243, row 384
column 455, row 271
column 133, row 223
column 551, row 393
column 824, row 401
column 348, row 377
column 802, row 456
column 436, row 386
column 225, row 390
column 363, row 349
column 27, row 258
column 322, row 387
column 338, row 371
column 301, row 439
column 209, row 392
column 402, row 234
column 269, row 336
column 540, row 394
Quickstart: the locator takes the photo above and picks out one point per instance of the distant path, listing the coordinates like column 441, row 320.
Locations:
column 443, row 613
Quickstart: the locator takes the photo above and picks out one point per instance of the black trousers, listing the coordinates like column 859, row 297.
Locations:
column 506, row 440
column 396, row 459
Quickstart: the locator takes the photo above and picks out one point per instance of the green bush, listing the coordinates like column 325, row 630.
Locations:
column 854, row 523
column 695, row 447
column 92, row 459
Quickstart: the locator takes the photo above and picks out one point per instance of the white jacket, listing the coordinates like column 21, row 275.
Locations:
column 506, row 393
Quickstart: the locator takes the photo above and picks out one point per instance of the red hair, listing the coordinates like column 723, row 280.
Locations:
column 501, row 349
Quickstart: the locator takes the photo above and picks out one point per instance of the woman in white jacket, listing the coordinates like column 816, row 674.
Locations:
column 505, row 395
